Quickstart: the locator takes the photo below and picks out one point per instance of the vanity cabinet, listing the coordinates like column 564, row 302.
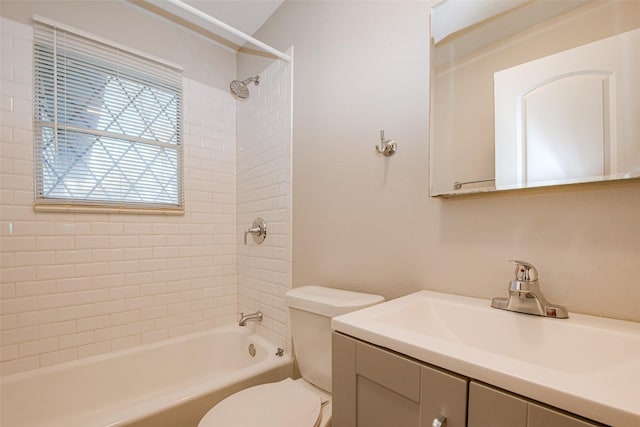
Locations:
column 376, row 387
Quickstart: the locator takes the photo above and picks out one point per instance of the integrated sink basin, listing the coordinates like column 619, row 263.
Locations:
column 586, row 365
column 568, row 347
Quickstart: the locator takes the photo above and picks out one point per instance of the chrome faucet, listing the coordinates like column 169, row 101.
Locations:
column 525, row 295
column 255, row 317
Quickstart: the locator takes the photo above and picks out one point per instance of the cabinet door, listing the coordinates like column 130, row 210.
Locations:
column 489, row 407
column 388, row 388
column 443, row 394
column 540, row 416
column 373, row 387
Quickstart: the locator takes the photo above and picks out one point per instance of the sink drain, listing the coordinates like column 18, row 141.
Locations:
column 252, row 350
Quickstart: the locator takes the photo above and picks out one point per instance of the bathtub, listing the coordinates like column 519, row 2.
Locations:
column 171, row 383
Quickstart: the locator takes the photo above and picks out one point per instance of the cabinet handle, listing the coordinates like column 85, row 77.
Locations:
column 439, row 422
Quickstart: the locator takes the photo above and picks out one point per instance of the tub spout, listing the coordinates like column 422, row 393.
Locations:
column 255, row 317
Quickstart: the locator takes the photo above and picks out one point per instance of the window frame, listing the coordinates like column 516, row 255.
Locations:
column 151, row 81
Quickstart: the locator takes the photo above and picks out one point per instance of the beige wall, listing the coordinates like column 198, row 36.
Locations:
column 122, row 22
column 363, row 222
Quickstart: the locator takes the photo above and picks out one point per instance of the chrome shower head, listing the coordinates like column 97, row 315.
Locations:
column 239, row 88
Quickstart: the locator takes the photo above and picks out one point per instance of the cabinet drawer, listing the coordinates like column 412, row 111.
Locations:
column 495, row 408
column 389, row 370
column 540, row 416
column 443, row 395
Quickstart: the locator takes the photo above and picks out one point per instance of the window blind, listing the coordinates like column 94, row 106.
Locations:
column 107, row 125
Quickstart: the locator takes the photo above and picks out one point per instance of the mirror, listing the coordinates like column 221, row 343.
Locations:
column 530, row 93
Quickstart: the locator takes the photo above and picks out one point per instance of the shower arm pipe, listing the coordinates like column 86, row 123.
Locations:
column 210, row 19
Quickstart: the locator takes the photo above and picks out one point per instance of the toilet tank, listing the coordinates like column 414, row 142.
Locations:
column 311, row 309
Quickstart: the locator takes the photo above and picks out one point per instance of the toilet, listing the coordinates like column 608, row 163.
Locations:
column 304, row 402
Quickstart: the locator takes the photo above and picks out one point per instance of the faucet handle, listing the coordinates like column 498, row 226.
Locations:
column 525, row 272
column 258, row 229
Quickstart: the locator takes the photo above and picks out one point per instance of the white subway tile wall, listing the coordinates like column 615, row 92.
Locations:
column 74, row 285
column 264, row 133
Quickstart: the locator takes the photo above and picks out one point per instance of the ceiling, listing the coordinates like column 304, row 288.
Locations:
column 245, row 15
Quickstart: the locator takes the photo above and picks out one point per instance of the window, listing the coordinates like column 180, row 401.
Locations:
column 107, row 125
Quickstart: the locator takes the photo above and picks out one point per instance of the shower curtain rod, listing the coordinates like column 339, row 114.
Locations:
column 197, row 12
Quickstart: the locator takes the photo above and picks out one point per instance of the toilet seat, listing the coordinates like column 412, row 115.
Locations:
column 281, row 404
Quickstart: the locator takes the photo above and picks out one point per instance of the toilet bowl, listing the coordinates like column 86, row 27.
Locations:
column 305, row 402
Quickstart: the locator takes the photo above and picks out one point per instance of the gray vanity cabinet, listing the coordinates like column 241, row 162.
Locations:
column 375, row 387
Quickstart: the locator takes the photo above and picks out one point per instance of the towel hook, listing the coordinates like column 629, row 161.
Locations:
column 387, row 147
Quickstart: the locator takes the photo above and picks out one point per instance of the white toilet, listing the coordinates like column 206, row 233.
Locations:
column 305, row 402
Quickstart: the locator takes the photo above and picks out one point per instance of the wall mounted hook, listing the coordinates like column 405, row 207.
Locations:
column 387, row 147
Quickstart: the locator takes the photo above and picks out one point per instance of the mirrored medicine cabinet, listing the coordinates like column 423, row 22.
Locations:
column 531, row 93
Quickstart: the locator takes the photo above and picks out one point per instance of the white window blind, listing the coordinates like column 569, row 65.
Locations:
column 107, row 124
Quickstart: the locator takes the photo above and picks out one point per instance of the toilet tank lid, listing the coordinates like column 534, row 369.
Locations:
column 328, row 301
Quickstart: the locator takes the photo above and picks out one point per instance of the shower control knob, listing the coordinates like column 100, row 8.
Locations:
column 258, row 230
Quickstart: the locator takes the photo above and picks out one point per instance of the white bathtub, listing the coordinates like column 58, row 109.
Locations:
column 171, row 383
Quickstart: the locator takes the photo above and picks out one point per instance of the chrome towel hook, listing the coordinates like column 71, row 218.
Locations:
column 387, row 147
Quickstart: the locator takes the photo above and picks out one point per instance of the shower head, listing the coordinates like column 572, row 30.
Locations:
column 239, row 88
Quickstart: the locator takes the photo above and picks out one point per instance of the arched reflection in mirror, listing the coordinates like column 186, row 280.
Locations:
column 543, row 93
